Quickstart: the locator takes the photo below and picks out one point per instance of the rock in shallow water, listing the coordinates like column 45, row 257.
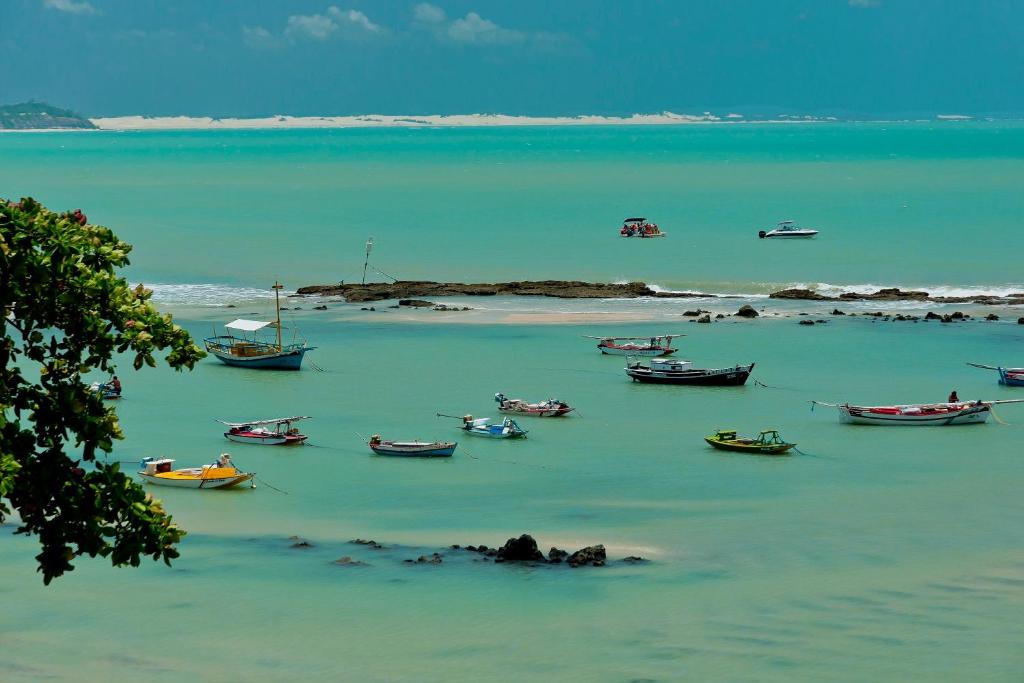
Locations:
column 522, row 549
column 593, row 555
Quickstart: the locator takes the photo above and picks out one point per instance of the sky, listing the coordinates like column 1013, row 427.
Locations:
column 851, row 58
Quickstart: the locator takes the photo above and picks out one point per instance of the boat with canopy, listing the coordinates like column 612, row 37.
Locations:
column 412, row 449
column 669, row 371
column 640, row 227
column 1011, row 377
column 549, row 408
column 239, row 349
column 917, row 414
column 655, row 345
column 768, row 442
column 221, row 474
column 276, row 432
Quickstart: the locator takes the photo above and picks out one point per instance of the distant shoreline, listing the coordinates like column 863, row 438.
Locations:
column 169, row 123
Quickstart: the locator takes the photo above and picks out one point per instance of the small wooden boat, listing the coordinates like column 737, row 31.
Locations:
column 787, row 229
column 277, row 432
column 1011, row 377
column 667, row 371
column 222, row 474
column 640, row 227
column 413, row 449
column 768, row 442
column 549, row 408
column 660, row 345
column 249, row 352
column 917, row 414
column 481, row 426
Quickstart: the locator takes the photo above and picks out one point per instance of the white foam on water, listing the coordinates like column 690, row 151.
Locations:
column 206, row 294
column 828, row 289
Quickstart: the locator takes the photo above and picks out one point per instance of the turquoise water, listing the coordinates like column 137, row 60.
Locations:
column 902, row 203
column 881, row 554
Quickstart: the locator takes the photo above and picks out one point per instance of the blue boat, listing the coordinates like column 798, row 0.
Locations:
column 412, row 449
column 1011, row 377
column 249, row 352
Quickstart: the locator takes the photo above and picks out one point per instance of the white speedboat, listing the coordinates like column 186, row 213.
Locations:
column 787, row 229
column 917, row 414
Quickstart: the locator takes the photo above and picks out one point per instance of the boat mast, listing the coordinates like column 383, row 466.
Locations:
column 277, row 304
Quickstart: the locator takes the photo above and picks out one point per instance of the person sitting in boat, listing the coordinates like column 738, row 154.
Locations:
column 375, row 440
column 224, row 461
column 115, row 385
column 953, row 398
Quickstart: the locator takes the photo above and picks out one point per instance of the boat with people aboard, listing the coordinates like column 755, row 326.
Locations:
column 787, row 229
column 247, row 351
column 108, row 391
column 670, row 371
column 917, row 414
column 414, row 449
column 221, row 474
column 276, row 432
column 658, row 345
column 1011, row 377
column 767, row 442
column 640, row 227
column 549, row 408
column 481, row 426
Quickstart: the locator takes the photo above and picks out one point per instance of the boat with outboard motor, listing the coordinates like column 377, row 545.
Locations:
column 221, row 474
column 768, row 442
column 481, row 426
column 415, row 449
column 108, row 391
column 640, row 227
column 1011, row 377
column 549, row 408
column 917, row 414
column 249, row 352
column 787, row 229
column 670, row 371
column 276, row 432
column 657, row 345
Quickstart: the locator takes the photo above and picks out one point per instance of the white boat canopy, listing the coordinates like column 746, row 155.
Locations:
column 247, row 325
column 255, row 423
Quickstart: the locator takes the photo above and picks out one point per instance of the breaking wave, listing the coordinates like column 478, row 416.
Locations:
column 206, row 294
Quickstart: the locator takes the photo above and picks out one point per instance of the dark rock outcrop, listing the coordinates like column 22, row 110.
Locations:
column 557, row 555
column 747, row 311
column 522, row 549
column 704, row 319
column 347, row 561
column 593, row 555
column 806, row 322
column 836, row 311
column 416, row 303
column 563, row 289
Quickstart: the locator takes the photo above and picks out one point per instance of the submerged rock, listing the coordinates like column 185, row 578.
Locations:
column 368, row 543
column 836, row 311
column 347, row 561
column 634, row 559
column 747, row 311
column 415, row 303
column 806, row 322
column 694, row 314
column 991, row 316
column 704, row 319
column 299, row 542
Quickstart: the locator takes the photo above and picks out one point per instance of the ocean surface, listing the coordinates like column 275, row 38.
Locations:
column 872, row 554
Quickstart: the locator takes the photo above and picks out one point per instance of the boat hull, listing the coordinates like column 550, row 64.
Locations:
column 863, row 416
column 752, row 449
column 551, row 412
column 199, row 482
column 495, row 434
column 413, row 450
column 266, row 439
column 723, row 377
column 1011, row 377
column 642, row 352
column 790, row 235
column 286, row 360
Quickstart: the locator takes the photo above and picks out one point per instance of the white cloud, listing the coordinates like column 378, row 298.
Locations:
column 70, row 6
column 865, row 3
column 258, row 37
column 475, row 30
column 428, row 14
column 323, row 26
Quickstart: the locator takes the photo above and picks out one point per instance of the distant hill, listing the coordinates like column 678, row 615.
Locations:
column 39, row 115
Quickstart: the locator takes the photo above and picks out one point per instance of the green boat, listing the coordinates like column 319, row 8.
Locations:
column 768, row 442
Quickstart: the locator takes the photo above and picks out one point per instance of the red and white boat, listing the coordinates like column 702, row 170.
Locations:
column 549, row 408
column 917, row 414
column 636, row 346
column 277, row 432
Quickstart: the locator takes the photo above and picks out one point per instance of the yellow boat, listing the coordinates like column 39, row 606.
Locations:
column 222, row 474
column 768, row 442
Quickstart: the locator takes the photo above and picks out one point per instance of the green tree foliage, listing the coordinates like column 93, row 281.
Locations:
column 65, row 313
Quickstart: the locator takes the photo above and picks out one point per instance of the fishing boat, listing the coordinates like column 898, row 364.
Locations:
column 669, row 371
column 481, row 426
column 277, row 432
column 787, row 229
column 916, row 414
column 413, row 449
column 221, row 474
column 768, row 442
column 1011, row 377
column 660, row 345
column 549, row 408
column 246, row 351
column 639, row 227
